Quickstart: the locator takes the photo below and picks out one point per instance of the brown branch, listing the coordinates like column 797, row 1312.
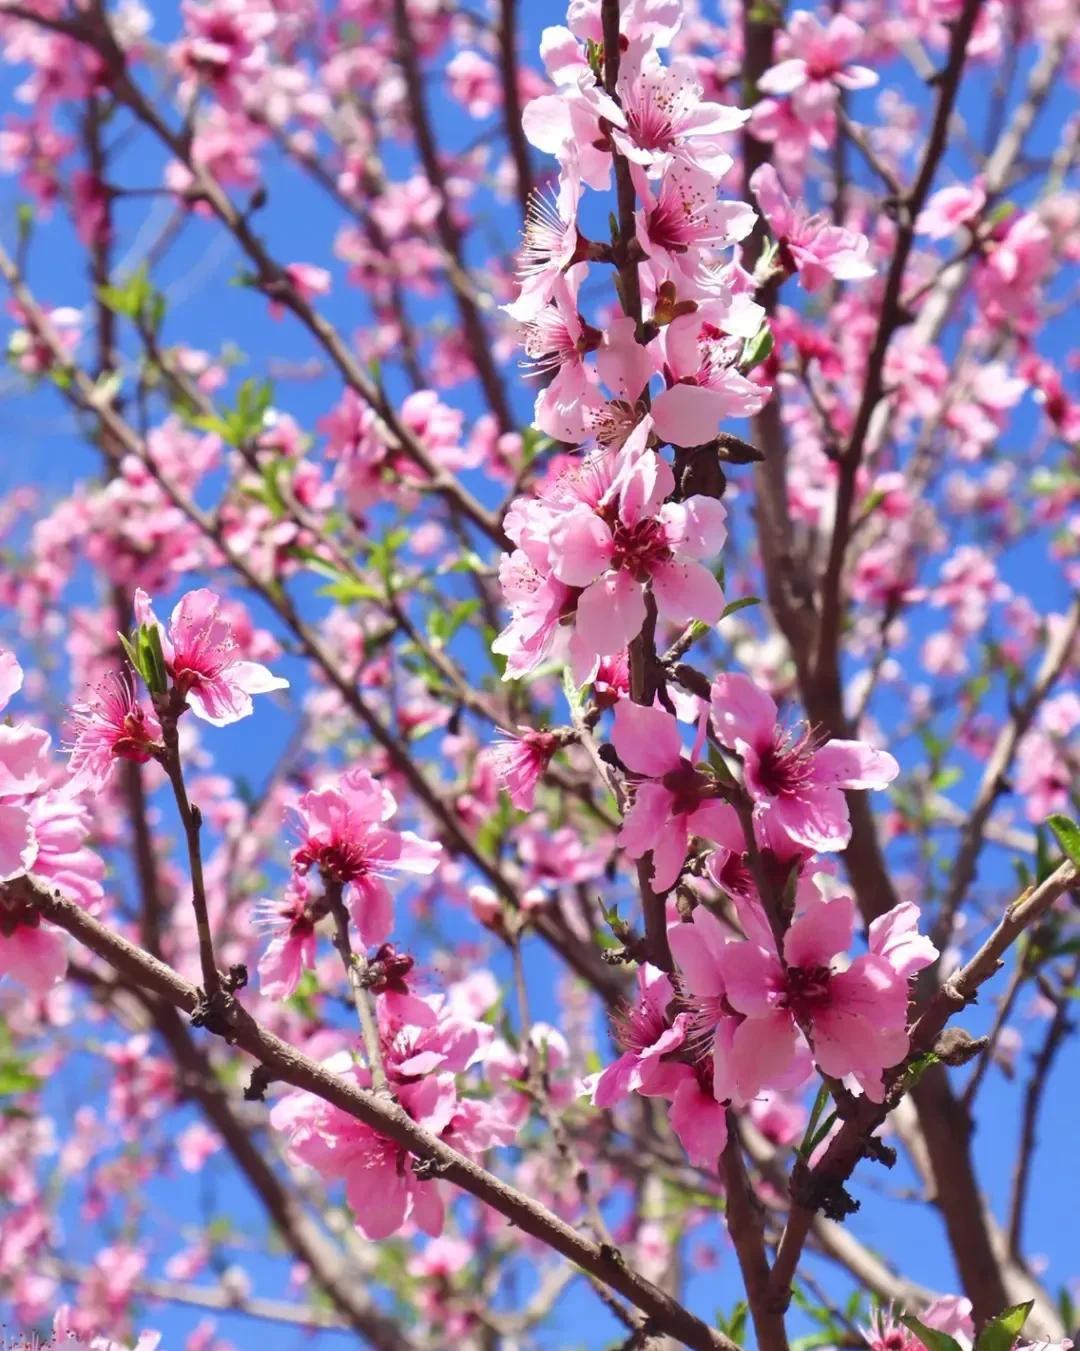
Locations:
column 450, row 237
column 1058, row 653
column 849, row 1145
column 1059, row 1028
column 283, row 1062
column 892, row 317
column 355, row 966
column 746, row 1228
column 506, row 34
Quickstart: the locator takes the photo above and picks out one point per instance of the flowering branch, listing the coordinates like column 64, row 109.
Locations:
column 285, row 1063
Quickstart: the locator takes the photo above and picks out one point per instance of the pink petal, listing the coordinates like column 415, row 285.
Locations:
column 669, row 853
column 700, row 1123
column 784, row 77
column 254, row 678
column 647, row 818
column 755, row 1054
column 895, row 937
column 647, row 739
column 822, row 931
column 741, row 711
column 687, row 590
column 23, row 759
column 581, row 548
column 696, row 527
column 610, row 613
column 219, row 702
column 372, row 909
column 35, row 956
column 819, row 822
column 751, row 976
column 853, row 764
column 378, row 1197
column 417, row 855
column 696, row 948
column 11, row 677
column 689, row 415
column 18, row 847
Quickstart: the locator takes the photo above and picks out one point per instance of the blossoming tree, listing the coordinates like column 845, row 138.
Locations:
column 588, row 859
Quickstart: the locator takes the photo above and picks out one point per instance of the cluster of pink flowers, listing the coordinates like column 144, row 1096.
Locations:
column 590, row 547
column 426, row 1044
column 743, row 1012
column 743, row 1015
column 616, row 538
column 344, row 836
column 696, row 305
column 43, row 829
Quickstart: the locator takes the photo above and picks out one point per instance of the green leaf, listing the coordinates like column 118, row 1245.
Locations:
column 132, row 655
column 15, row 1079
column 734, row 1324
column 1001, row 1333
column 931, row 1338
column 1068, row 836
column 743, row 603
column 756, row 349
column 443, row 624
column 158, row 681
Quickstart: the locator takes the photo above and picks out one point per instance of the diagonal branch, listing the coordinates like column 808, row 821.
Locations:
column 285, row 1063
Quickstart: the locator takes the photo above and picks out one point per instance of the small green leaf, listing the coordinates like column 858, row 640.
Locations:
column 1068, row 836
column 158, row 681
column 15, row 1079
column 132, row 654
column 756, row 349
column 1001, row 1333
column 931, row 1338
column 743, row 603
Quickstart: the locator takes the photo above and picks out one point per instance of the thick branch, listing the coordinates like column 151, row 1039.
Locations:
column 285, row 1063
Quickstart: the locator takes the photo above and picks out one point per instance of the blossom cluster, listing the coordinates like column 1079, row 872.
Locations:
column 43, row 829
column 427, row 1044
column 751, row 1007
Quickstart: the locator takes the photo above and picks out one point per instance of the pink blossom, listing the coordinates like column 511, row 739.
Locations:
column 521, row 763
column 548, row 247
column 856, row 1017
column 381, row 1186
column 292, row 945
column 819, row 63
column 646, row 1031
column 684, row 214
column 673, row 800
column 705, row 388
column 895, row 938
column 61, row 823
column 344, row 835
column 23, row 770
column 32, row 953
column 474, row 82
column 200, row 652
column 951, row 208
column 556, row 341
column 11, row 677
column 808, row 244
column 663, row 115
column 617, row 535
column 110, row 724
column 796, row 783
